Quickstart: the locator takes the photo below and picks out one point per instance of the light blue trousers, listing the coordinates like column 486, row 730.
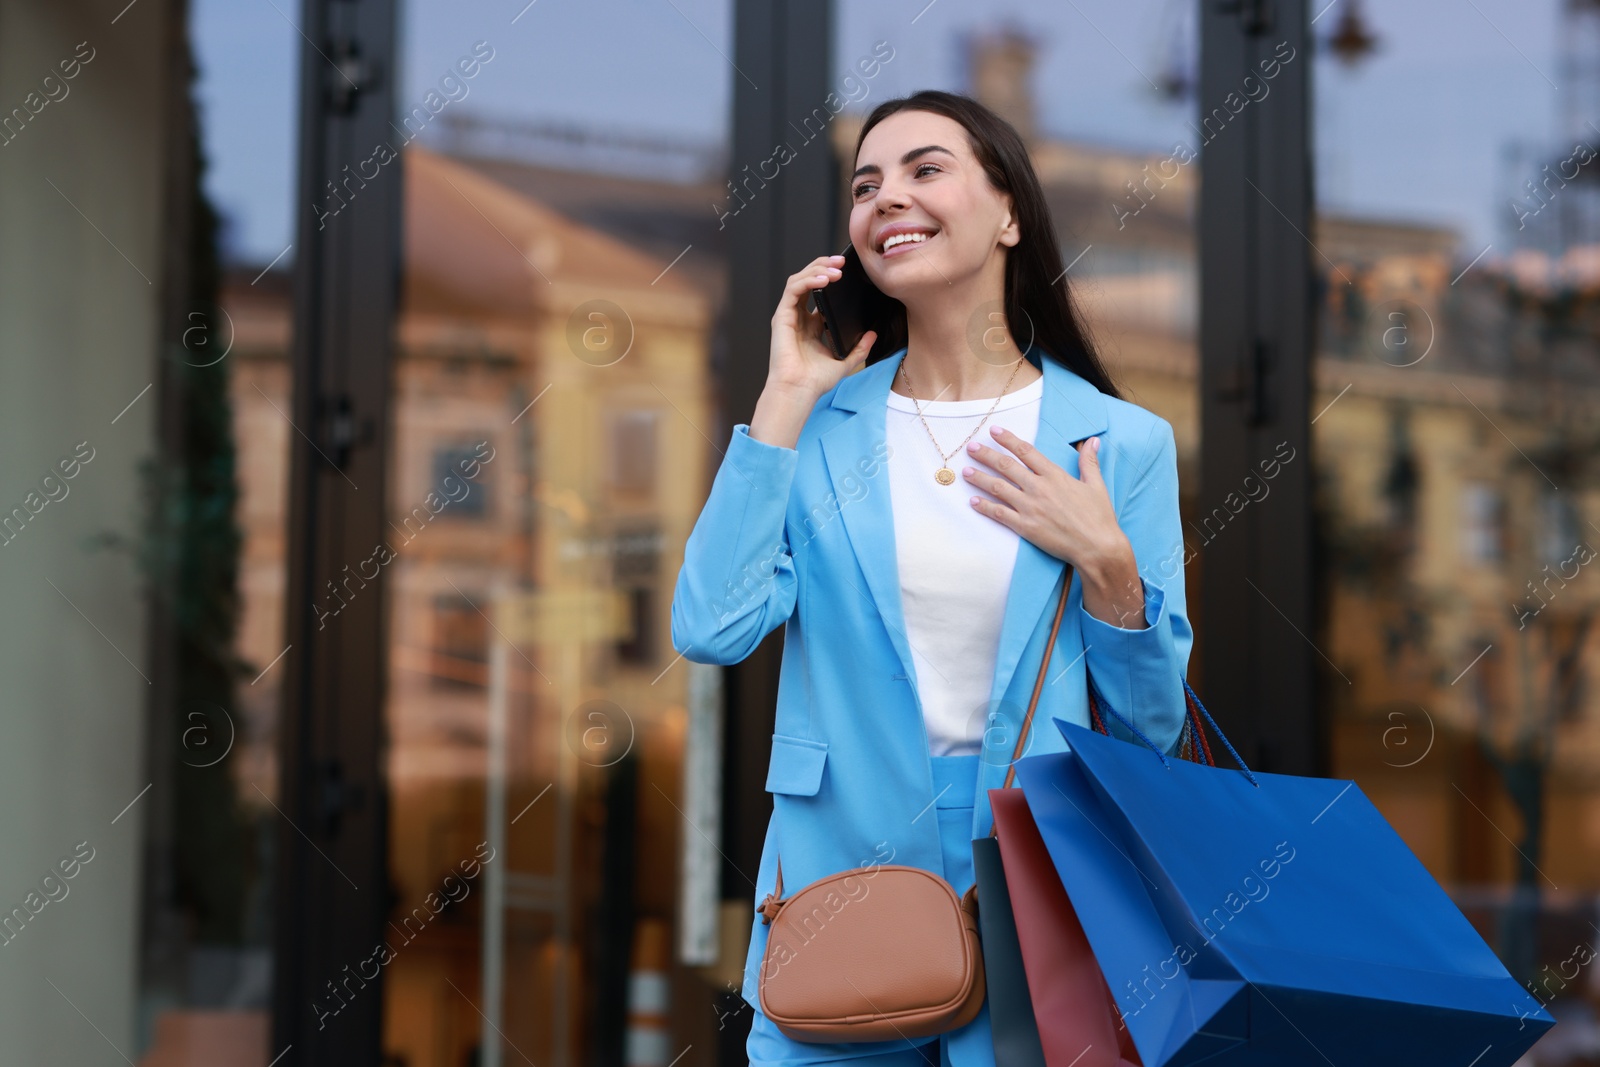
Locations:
column 955, row 780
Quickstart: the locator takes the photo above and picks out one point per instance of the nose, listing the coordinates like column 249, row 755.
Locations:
column 891, row 195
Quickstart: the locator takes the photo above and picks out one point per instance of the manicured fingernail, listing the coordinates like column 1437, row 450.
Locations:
column 973, row 447
column 998, row 430
column 967, row 471
column 1094, row 444
column 975, row 501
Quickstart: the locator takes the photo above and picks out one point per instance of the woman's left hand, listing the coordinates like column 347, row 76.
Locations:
column 1070, row 518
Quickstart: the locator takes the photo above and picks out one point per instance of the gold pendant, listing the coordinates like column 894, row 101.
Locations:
column 944, row 475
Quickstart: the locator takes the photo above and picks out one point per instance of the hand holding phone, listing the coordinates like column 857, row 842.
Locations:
column 803, row 360
column 803, row 363
column 846, row 304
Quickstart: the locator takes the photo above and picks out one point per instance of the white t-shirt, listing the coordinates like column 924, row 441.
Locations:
column 955, row 564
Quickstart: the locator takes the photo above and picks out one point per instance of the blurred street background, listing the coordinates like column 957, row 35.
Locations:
column 364, row 366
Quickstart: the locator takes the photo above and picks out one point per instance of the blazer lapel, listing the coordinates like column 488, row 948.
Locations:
column 1071, row 411
column 869, row 519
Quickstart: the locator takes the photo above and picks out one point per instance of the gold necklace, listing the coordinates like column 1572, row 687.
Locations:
column 944, row 475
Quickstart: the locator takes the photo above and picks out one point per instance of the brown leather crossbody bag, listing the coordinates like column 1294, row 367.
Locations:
column 873, row 955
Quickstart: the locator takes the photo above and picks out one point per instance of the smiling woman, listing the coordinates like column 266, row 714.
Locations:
column 928, row 605
column 955, row 172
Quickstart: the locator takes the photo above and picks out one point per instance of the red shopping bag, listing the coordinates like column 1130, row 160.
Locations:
column 1078, row 1020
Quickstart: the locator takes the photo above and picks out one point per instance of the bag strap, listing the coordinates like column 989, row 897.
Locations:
column 1038, row 684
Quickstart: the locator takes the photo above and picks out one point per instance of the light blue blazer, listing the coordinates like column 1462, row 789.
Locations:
column 804, row 537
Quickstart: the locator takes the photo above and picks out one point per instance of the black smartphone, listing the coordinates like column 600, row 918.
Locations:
column 847, row 304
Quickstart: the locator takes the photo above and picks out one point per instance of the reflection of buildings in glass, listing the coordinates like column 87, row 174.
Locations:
column 519, row 464
column 1459, row 606
column 260, row 380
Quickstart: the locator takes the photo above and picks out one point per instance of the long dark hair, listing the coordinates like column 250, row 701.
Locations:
column 1036, row 281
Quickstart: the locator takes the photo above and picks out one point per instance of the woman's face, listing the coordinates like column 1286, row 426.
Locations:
column 916, row 174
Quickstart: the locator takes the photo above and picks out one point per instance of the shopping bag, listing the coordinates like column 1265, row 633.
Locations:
column 1246, row 919
column 1011, row 1025
column 1076, row 1019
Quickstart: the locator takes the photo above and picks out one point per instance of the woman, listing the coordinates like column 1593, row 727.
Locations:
column 916, row 604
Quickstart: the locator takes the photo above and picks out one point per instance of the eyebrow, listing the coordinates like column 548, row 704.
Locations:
column 873, row 168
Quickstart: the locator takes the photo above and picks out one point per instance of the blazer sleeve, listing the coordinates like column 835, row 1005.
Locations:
column 1139, row 672
column 738, row 578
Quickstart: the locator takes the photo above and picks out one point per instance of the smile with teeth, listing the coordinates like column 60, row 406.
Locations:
column 905, row 238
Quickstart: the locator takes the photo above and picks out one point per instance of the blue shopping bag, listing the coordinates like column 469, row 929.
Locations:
column 1265, row 919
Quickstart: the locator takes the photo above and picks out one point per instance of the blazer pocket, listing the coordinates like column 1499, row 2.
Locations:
column 796, row 766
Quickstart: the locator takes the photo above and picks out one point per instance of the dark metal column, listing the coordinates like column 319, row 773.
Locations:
column 1256, row 313
column 784, row 53
column 332, row 891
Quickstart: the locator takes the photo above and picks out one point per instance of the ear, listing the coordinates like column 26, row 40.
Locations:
column 1010, row 230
